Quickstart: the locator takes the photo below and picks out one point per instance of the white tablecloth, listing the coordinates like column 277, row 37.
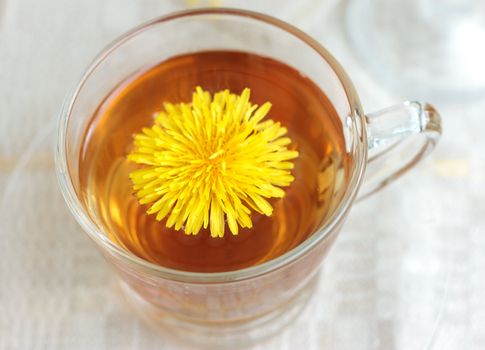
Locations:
column 407, row 272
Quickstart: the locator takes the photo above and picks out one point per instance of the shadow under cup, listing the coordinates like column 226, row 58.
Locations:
column 241, row 300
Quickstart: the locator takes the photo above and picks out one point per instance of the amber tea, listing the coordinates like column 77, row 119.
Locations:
column 297, row 103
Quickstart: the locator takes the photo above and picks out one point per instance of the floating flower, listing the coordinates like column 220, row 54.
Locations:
column 211, row 160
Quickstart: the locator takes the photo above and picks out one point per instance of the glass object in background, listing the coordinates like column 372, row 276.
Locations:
column 428, row 48
column 243, row 305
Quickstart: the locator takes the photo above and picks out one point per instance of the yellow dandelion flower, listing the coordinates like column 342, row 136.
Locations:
column 211, row 160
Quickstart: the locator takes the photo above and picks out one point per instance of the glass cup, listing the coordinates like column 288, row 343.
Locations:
column 429, row 47
column 248, row 304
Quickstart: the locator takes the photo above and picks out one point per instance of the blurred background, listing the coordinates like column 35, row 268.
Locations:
column 407, row 271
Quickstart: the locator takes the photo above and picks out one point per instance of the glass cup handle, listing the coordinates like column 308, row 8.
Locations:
column 398, row 137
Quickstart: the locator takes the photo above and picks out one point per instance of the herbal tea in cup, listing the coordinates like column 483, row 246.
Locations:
column 320, row 170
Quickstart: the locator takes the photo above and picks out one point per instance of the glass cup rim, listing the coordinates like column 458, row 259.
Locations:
column 96, row 234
